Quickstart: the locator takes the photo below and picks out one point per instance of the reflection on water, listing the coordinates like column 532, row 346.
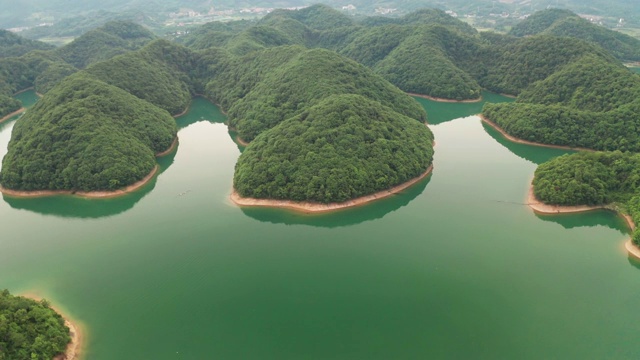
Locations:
column 439, row 112
column 586, row 219
column 66, row 206
column 535, row 154
column 633, row 261
column 347, row 217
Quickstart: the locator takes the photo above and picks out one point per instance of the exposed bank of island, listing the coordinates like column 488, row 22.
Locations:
column 86, row 137
column 344, row 148
column 587, row 181
column 315, row 207
column 32, row 329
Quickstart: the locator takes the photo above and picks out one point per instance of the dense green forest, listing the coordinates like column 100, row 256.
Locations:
column 590, row 103
column 571, row 92
column 12, row 45
column 559, row 22
column 112, row 110
column 85, row 135
column 344, row 147
column 295, row 80
column 592, row 178
column 113, row 38
column 42, row 69
column 426, row 52
column 30, row 329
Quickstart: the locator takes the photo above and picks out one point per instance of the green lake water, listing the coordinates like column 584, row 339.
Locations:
column 455, row 267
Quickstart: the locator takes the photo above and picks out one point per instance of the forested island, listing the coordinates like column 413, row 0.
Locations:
column 308, row 89
column 30, row 329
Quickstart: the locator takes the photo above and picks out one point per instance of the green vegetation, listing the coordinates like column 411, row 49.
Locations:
column 565, row 23
column 113, row 38
column 344, row 147
column 30, row 329
column 157, row 73
column 295, row 80
column 12, row 45
column 598, row 178
column 590, row 103
column 85, row 135
column 8, row 105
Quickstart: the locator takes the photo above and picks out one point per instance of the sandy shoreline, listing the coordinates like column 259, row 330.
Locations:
column 9, row 116
column 311, row 207
column 542, row 208
column 84, row 194
column 241, row 142
column 445, row 100
column 93, row 194
column 74, row 347
column 526, row 142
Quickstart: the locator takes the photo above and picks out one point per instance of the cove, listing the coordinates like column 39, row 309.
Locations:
column 454, row 267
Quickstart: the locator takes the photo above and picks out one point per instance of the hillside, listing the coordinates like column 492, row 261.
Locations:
column 565, row 23
column 344, row 147
column 105, row 42
column 85, row 135
column 157, row 73
column 12, row 45
column 599, row 178
column 302, row 81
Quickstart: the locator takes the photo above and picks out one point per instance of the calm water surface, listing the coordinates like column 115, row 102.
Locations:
column 455, row 267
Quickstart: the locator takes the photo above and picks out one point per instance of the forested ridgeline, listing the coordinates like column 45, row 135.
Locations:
column 559, row 22
column 42, row 69
column 593, row 178
column 12, row 45
column 30, row 329
column 344, row 147
column 426, row 52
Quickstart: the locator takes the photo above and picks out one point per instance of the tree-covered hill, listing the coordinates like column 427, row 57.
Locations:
column 317, row 17
column 590, row 103
column 344, row 147
column 304, row 80
column 38, row 69
column 539, row 22
column 565, row 23
column 598, row 178
column 30, row 329
column 158, row 73
column 85, row 135
column 99, row 128
column 113, row 38
column 12, row 45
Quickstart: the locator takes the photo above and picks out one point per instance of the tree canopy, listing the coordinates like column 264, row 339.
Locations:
column 344, row 147
column 85, row 135
column 30, row 329
column 592, row 178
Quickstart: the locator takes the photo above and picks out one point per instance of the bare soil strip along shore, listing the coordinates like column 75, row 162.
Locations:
column 542, row 208
column 520, row 141
column 9, row 116
column 74, row 347
column 84, row 194
column 311, row 207
column 241, row 142
column 445, row 100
